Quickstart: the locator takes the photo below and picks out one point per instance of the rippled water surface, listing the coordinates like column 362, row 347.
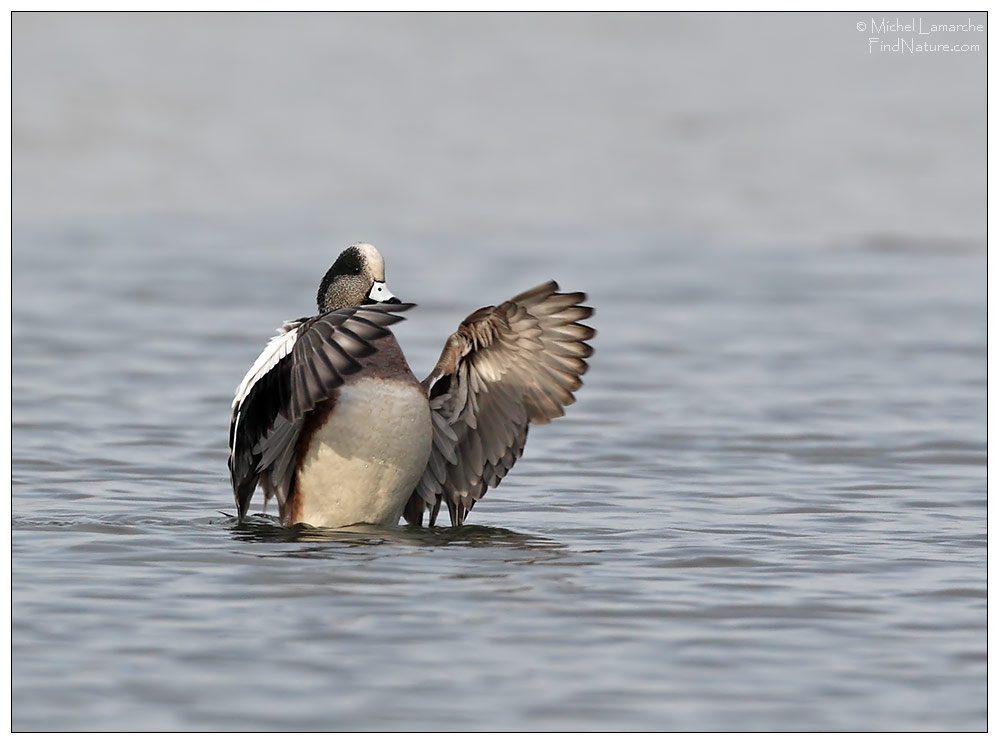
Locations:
column 767, row 508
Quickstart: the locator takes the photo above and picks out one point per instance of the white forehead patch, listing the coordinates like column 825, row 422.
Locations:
column 373, row 259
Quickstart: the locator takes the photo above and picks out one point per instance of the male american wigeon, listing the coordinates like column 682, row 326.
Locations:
column 331, row 420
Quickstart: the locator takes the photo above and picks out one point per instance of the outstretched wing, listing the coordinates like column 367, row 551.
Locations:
column 506, row 367
column 298, row 370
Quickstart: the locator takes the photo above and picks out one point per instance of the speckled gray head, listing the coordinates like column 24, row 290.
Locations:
column 357, row 277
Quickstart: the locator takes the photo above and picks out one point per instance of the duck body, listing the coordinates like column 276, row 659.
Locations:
column 331, row 421
column 362, row 453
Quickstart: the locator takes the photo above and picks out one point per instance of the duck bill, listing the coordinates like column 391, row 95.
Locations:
column 381, row 293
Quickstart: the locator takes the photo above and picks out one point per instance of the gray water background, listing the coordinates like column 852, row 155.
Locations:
column 766, row 510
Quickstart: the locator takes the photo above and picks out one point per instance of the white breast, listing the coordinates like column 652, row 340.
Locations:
column 364, row 463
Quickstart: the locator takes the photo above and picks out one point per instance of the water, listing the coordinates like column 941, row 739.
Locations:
column 766, row 510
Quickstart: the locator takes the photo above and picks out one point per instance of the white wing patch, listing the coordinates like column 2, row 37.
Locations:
column 277, row 349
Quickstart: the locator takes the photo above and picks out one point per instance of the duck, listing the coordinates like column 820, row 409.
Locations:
column 332, row 423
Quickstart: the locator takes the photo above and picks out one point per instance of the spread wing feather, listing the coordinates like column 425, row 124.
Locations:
column 505, row 368
column 298, row 370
